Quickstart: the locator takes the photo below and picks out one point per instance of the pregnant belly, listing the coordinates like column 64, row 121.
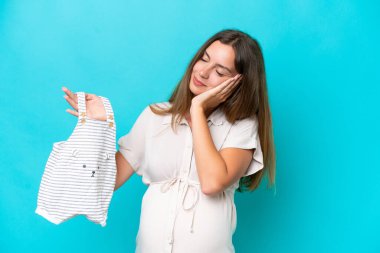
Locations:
column 213, row 223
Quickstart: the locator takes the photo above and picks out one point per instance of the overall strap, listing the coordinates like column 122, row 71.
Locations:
column 109, row 111
column 82, row 118
column 81, row 107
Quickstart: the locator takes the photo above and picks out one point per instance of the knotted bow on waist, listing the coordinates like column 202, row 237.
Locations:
column 188, row 184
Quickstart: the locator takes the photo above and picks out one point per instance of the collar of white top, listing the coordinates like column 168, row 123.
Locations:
column 216, row 117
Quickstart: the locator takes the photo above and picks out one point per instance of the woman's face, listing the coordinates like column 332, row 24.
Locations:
column 214, row 67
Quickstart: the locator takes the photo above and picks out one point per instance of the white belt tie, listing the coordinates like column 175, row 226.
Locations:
column 166, row 185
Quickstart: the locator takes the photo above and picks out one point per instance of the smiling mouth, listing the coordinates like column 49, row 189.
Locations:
column 198, row 83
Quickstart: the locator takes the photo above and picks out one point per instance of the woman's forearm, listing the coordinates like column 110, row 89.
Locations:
column 124, row 170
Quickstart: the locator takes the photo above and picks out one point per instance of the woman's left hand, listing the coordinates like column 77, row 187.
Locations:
column 210, row 99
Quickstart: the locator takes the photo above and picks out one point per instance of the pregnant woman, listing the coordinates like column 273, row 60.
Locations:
column 211, row 138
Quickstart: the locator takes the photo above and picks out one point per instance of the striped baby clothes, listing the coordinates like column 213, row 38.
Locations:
column 80, row 173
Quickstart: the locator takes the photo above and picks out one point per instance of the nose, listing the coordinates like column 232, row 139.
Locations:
column 201, row 73
column 204, row 72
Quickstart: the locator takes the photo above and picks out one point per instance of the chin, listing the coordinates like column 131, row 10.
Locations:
column 194, row 89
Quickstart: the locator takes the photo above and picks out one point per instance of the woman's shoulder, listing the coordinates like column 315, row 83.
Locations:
column 158, row 106
column 247, row 122
column 164, row 104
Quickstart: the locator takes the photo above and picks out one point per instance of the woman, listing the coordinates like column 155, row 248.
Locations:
column 212, row 137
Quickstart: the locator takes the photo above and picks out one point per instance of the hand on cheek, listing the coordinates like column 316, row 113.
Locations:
column 216, row 95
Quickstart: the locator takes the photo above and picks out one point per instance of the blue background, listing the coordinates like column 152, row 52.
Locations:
column 322, row 62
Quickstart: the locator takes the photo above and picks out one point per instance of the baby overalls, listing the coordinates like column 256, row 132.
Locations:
column 80, row 173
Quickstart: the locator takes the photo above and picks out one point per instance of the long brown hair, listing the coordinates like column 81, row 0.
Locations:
column 250, row 98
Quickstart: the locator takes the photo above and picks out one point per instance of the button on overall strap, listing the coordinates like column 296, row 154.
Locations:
column 109, row 111
column 82, row 107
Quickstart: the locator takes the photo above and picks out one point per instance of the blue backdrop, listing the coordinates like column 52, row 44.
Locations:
column 323, row 77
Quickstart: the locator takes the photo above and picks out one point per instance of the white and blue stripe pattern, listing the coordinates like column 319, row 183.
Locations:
column 80, row 173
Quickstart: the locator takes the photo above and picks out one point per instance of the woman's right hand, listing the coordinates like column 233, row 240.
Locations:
column 94, row 105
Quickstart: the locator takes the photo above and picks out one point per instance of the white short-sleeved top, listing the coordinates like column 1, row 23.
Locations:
column 175, row 215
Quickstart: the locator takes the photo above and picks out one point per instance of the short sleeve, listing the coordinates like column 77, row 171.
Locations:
column 244, row 134
column 132, row 145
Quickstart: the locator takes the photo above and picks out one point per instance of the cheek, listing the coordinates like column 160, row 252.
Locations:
column 197, row 67
column 213, row 79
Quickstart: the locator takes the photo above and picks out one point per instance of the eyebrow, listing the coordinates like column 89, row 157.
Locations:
column 219, row 64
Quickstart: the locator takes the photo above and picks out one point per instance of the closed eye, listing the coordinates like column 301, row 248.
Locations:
column 219, row 74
